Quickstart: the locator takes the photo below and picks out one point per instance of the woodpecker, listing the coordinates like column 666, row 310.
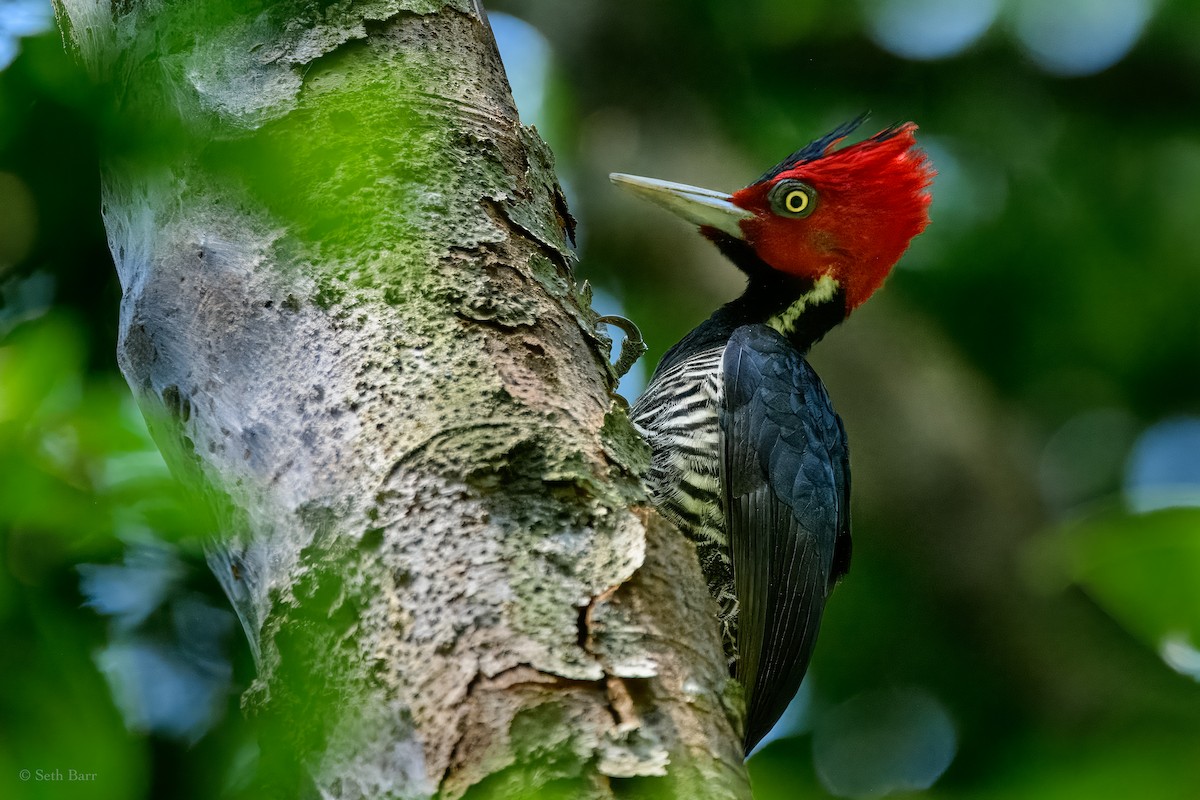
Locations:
column 749, row 458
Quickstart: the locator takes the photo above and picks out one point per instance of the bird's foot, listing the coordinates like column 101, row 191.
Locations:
column 632, row 348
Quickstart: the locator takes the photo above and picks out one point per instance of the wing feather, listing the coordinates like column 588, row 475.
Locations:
column 784, row 483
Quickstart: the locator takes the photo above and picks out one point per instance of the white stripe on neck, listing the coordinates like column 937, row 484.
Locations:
column 821, row 292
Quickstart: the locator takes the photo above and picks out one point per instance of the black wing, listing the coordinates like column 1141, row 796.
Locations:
column 785, row 485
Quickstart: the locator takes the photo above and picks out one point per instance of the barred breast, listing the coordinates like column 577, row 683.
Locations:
column 678, row 415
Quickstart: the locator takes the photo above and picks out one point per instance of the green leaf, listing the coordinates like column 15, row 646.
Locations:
column 1144, row 569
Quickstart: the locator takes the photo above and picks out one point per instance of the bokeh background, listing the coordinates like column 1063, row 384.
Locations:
column 1022, row 618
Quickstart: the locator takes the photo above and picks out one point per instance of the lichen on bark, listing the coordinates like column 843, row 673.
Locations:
column 343, row 255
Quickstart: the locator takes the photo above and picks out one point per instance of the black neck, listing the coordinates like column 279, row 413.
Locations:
column 769, row 295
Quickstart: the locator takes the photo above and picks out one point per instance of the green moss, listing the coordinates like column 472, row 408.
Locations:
column 395, row 295
column 622, row 443
column 550, row 763
column 329, row 293
column 544, row 270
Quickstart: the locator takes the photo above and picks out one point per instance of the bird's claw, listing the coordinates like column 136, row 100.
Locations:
column 633, row 346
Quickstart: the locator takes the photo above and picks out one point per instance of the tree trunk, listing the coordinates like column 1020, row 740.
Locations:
column 349, row 315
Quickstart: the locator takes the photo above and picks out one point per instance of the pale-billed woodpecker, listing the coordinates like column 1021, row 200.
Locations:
column 749, row 458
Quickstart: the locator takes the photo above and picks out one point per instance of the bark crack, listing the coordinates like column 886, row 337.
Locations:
column 620, row 701
column 510, row 679
column 499, row 213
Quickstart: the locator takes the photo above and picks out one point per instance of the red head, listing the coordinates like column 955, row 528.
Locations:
column 847, row 213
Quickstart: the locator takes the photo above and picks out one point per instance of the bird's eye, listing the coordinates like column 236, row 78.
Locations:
column 792, row 199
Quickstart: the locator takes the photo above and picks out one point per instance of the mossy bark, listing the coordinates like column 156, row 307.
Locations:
column 350, row 315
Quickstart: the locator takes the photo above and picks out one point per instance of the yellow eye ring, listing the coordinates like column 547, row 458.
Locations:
column 796, row 202
column 792, row 198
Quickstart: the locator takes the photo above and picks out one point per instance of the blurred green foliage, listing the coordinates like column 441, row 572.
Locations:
column 79, row 480
column 53, row 437
column 1144, row 570
column 993, row 392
